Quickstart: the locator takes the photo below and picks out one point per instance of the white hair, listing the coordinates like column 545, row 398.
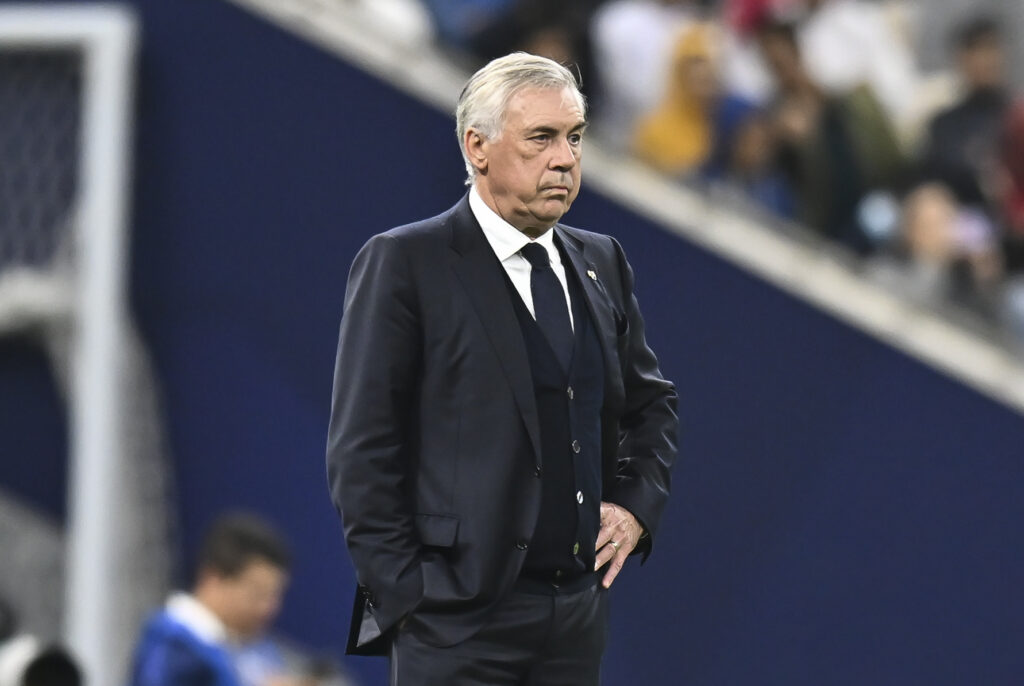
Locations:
column 484, row 99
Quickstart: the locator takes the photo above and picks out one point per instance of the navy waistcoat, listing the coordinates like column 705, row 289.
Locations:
column 569, row 407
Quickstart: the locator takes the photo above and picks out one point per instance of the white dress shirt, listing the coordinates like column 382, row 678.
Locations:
column 506, row 241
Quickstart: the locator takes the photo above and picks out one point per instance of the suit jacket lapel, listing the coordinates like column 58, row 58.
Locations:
column 597, row 304
column 480, row 274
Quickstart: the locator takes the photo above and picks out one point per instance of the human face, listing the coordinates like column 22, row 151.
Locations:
column 752, row 147
column 248, row 602
column 698, row 78
column 783, row 59
column 530, row 173
column 983, row 64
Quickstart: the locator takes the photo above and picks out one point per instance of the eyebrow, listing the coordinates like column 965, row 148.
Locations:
column 550, row 130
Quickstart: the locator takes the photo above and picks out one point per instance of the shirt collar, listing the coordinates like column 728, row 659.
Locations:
column 505, row 239
column 196, row 617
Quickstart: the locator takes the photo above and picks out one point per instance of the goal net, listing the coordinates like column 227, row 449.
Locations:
column 66, row 75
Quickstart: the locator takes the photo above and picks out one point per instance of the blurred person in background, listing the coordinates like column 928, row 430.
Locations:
column 945, row 253
column 743, row 165
column 961, row 144
column 677, row 138
column 847, row 44
column 24, row 661
column 833, row 148
column 1011, row 187
column 486, row 29
column 1010, row 207
column 241, row 575
column 263, row 660
column 745, row 16
column 743, row 69
column 633, row 45
column 27, row 661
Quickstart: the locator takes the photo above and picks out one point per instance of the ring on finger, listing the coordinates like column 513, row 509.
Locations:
column 614, row 544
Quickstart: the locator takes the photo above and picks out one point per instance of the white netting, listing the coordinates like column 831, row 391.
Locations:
column 41, row 96
column 39, row 128
column 40, row 121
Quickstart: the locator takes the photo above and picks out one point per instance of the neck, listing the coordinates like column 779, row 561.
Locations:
column 534, row 232
column 209, row 600
column 526, row 224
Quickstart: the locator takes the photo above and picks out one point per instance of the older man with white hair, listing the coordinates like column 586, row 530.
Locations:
column 501, row 436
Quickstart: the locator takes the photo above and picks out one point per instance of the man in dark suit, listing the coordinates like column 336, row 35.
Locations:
column 501, row 437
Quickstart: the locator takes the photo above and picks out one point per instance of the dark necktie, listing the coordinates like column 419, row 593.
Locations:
column 549, row 302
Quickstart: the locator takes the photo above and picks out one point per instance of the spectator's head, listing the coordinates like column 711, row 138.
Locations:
column 929, row 215
column 25, row 661
column 781, row 52
column 52, row 667
column 553, row 41
column 981, row 53
column 753, row 146
column 242, row 572
column 694, row 78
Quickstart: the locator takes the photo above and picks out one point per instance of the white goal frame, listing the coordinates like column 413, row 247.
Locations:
column 107, row 37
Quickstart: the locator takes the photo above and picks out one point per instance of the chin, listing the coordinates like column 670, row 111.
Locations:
column 552, row 212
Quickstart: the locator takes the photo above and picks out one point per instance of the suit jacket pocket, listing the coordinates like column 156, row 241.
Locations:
column 621, row 323
column 437, row 530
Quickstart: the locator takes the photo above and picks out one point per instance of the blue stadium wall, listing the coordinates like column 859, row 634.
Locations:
column 841, row 513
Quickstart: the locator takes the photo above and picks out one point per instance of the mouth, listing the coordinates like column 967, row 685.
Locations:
column 557, row 189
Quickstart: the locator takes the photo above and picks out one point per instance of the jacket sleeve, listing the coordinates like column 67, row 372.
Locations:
column 648, row 423
column 375, row 381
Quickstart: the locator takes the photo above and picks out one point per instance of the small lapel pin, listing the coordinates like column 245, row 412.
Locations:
column 592, row 274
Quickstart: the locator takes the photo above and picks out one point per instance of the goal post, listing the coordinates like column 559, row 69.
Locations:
column 76, row 285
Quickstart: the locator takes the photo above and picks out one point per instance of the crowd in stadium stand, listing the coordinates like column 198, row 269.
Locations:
column 814, row 111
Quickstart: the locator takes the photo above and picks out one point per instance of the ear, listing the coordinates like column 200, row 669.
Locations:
column 476, row 145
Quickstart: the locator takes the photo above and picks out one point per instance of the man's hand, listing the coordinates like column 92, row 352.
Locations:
column 620, row 532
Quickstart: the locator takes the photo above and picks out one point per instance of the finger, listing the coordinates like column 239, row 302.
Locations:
column 603, row 536
column 611, row 521
column 612, row 530
column 615, row 567
column 604, row 555
column 618, row 531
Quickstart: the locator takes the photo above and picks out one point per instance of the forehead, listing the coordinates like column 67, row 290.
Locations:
column 261, row 573
column 533, row 106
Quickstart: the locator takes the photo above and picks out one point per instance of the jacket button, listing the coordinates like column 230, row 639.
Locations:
column 569, row 392
column 522, row 544
column 576, row 446
column 579, row 497
column 537, row 471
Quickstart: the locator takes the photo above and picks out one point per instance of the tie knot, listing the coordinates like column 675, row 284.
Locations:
column 536, row 255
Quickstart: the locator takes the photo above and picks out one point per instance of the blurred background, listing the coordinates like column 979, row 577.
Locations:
column 823, row 201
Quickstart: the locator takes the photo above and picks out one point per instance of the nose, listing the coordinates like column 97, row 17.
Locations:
column 563, row 157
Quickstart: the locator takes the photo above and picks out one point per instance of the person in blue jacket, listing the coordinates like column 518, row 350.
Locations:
column 241, row 576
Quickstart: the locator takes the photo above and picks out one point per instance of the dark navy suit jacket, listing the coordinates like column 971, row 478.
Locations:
column 434, row 440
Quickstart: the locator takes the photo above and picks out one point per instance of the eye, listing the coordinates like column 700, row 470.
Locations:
column 541, row 138
column 575, row 138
